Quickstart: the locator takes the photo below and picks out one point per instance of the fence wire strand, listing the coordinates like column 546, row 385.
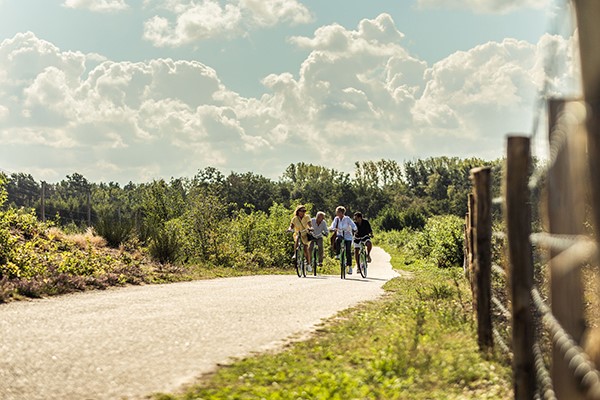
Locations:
column 577, row 360
column 503, row 310
column 500, row 341
column 498, row 270
column 556, row 242
column 543, row 376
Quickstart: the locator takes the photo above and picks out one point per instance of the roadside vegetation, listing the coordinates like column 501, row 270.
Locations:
column 417, row 342
column 96, row 235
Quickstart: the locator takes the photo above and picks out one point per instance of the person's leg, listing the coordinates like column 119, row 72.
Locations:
column 295, row 247
column 307, row 253
column 320, row 244
column 348, row 244
column 357, row 255
column 369, row 247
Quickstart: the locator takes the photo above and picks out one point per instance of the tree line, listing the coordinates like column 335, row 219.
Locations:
column 432, row 186
column 240, row 217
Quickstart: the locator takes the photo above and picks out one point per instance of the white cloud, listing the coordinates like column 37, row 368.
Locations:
column 4, row 113
column 359, row 94
column 97, row 5
column 485, row 6
column 193, row 21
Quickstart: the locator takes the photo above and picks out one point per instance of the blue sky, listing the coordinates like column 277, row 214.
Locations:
column 142, row 89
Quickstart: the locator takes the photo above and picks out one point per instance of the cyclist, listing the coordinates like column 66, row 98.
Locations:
column 301, row 225
column 364, row 229
column 320, row 230
column 345, row 228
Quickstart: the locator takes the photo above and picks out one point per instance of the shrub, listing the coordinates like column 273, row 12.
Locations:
column 444, row 237
column 114, row 229
column 390, row 219
column 166, row 242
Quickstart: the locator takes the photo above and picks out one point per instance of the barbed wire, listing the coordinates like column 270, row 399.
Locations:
column 503, row 310
column 500, row 340
column 499, row 270
column 577, row 360
column 556, row 242
column 543, row 377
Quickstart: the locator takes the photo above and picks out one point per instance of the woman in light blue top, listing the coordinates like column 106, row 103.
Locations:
column 345, row 228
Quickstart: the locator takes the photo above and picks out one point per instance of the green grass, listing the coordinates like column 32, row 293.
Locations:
column 417, row 342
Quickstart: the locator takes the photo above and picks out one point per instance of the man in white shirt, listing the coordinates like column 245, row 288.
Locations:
column 320, row 231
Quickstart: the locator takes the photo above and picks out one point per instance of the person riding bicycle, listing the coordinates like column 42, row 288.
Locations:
column 320, row 230
column 364, row 230
column 345, row 228
column 301, row 225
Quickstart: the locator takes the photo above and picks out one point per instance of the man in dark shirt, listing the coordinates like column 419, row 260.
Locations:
column 364, row 230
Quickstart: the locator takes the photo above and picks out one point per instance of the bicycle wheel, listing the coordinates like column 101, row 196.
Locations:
column 362, row 268
column 315, row 255
column 299, row 263
column 343, row 264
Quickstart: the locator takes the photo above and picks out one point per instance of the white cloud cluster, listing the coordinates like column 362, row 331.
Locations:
column 97, row 5
column 198, row 20
column 485, row 6
column 358, row 95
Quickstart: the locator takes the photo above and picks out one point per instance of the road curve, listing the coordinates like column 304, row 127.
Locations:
column 133, row 341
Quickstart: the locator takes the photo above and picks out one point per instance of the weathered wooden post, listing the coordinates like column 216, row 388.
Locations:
column 517, row 212
column 482, row 239
column 565, row 198
column 466, row 248
column 471, row 228
column 588, row 15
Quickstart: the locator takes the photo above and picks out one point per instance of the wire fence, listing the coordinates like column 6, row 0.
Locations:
column 545, row 341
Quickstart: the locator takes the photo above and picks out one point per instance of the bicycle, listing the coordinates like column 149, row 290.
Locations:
column 300, row 259
column 343, row 255
column 362, row 255
column 314, row 257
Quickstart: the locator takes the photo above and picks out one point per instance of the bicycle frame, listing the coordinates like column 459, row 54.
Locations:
column 362, row 256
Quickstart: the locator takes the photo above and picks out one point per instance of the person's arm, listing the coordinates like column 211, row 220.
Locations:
column 332, row 227
column 352, row 224
column 369, row 229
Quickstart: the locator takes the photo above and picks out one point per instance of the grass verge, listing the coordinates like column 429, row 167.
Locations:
column 417, row 342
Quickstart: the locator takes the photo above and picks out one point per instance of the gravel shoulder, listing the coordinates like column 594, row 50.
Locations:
column 130, row 342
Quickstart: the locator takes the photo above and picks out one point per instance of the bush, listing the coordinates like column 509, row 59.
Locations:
column 390, row 219
column 114, row 229
column 442, row 240
column 166, row 242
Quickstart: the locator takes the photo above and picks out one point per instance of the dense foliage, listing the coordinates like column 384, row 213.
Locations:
column 401, row 194
column 216, row 221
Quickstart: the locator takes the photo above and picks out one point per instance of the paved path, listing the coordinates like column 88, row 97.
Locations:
column 130, row 342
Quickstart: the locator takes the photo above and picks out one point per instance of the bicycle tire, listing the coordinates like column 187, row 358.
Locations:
column 362, row 268
column 315, row 255
column 299, row 263
column 343, row 264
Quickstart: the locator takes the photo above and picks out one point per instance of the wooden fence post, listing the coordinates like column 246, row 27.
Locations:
column 471, row 228
column 466, row 249
column 588, row 15
column 518, row 222
column 482, row 239
column 566, row 203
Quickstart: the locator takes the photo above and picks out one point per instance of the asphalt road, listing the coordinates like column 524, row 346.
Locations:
column 133, row 341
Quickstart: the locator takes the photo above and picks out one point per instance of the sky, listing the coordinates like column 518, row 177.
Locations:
column 136, row 90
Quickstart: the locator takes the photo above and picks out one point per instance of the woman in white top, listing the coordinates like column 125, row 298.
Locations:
column 345, row 228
